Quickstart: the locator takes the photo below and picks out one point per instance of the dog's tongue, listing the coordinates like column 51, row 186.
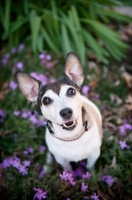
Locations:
column 69, row 123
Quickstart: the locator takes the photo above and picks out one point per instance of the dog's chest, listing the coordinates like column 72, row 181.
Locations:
column 73, row 150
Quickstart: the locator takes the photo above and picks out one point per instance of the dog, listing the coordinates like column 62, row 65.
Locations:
column 74, row 123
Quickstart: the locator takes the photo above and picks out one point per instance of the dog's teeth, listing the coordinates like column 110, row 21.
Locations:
column 64, row 125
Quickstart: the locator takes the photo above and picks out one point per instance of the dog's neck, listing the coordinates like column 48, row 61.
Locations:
column 82, row 126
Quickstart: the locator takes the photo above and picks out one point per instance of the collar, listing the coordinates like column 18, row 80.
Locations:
column 85, row 128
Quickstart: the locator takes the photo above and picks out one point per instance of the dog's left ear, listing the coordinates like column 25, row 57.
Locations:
column 73, row 69
column 28, row 85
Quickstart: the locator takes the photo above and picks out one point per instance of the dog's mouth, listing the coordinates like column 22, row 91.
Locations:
column 70, row 125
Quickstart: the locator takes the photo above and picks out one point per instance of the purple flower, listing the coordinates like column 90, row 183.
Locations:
column 25, row 113
column 41, row 174
column 124, row 128
column 25, row 152
column 68, row 199
column 108, row 179
column 67, row 177
column 87, row 175
column 43, row 78
column 2, row 114
column 35, row 113
column 97, row 96
column 16, row 164
column 30, row 150
column 26, row 163
column 78, row 172
column 52, row 80
column 84, row 187
column 42, row 56
column 16, row 113
column 48, row 57
column 41, row 122
column 49, row 65
column 40, row 194
column 33, row 119
column 20, row 47
column 64, row 175
column 95, row 197
column 19, row 65
column 123, row 145
column 15, row 137
column 4, row 61
column 40, row 77
column 7, row 162
column 13, row 85
column 13, row 50
column 7, row 56
column 22, row 169
column 85, row 90
column 42, row 148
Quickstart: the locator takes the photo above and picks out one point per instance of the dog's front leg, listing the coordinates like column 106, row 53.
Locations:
column 63, row 162
column 92, row 159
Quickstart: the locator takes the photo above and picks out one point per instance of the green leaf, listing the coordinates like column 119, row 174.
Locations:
column 49, row 41
column 18, row 23
column 66, row 43
column 93, row 44
column 35, row 22
column 40, row 43
column 7, row 16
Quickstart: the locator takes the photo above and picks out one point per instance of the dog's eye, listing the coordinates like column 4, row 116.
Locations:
column 71, row 92
column 47, row 101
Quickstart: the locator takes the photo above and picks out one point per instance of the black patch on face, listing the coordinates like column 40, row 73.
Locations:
column 55, row 87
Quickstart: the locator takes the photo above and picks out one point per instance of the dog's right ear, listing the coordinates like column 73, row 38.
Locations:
column 73, row 69
column 28, row 85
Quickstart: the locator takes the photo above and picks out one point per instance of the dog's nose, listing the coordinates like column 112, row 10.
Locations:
column 66, row 113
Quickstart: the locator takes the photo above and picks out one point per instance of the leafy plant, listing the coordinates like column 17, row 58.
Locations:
column 64, row 26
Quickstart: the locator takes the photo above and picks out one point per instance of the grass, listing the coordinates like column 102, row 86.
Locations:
column 22, row 136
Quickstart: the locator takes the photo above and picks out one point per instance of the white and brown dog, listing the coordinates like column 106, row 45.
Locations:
column 74, row 124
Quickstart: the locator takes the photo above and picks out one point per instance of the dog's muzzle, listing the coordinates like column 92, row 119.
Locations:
column 70, row 125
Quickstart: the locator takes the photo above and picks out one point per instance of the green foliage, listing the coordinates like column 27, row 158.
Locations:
column 64, row 26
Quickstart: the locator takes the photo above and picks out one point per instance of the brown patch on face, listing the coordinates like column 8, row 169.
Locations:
column 55, row 87
column 92, row 112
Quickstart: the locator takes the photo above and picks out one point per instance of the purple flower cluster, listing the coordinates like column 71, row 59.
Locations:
column 15, row 162
column 33, row 118
column 5, row 59
column 67, row 177
column 2, row 115
column 42, row 149
column 124, row 128
column 95, row 197
column 85, row 90
column 13, row 85
column 40, row 194
column 17, row 49
column 86, row 176
column 40, row 77
column 46, row 60
column 30, row 150
column 78, row 172
column 108, row 179
column 18, row 66
column 123, row 145
column 41, row 174
column 84, row 187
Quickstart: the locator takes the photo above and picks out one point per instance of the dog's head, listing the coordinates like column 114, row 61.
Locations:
column 60, row 101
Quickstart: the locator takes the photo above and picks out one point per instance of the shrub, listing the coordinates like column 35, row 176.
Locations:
column 79, row 26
